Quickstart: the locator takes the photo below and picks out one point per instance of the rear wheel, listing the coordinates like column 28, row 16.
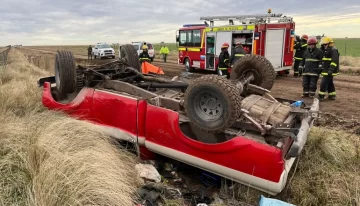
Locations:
column 130, row 55
column 65, row 72
column 212, row 103
column 258, row 66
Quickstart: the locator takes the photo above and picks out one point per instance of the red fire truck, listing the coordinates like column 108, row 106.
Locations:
column 269, row 35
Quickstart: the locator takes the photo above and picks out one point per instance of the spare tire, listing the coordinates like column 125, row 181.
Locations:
column 260, row 67
column 130, row 55
column 212, row 103
column 65, row 72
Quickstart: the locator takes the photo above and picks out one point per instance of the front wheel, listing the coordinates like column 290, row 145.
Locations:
column 188, row 67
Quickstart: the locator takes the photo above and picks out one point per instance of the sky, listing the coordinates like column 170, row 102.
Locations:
column 80, row 22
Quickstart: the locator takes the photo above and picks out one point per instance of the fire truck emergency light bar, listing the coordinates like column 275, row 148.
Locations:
column 255, row 17
column 238, row 17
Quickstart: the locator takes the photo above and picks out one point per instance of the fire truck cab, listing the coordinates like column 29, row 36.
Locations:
column 269, row 35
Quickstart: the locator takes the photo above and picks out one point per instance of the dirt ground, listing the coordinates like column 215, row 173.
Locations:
column 343, row 113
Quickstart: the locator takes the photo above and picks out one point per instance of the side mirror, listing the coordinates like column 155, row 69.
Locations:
column 177, row 38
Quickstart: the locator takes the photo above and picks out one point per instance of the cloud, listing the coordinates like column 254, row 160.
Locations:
column 45, row 22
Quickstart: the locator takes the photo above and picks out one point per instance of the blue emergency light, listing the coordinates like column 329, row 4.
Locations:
column 190, row 25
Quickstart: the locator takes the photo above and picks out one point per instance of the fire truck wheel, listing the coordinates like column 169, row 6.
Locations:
column 188, row 67
column 260, row 67
column 65, row 72
column 212, row 103
column 130, row 55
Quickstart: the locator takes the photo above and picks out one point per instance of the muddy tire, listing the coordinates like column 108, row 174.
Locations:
column 212, row 103
column 65, row 72
column 130, row 55
column 259, row 66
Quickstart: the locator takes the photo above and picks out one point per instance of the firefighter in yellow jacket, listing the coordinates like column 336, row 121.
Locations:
column 144, row 55
column 164, row 51
column 330, row 68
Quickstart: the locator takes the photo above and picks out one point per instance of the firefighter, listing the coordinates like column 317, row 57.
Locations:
column 330, row 68
column 224, row 62
column 237, row 53
column 300, row 47
column 164, row 51
column 90, row 52
column 144, row 55
column 309, row 64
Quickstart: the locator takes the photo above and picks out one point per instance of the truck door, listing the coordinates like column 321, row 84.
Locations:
column 210, row 51
column 274, row 47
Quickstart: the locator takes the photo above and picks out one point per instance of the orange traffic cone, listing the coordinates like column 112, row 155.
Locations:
column 147, row 68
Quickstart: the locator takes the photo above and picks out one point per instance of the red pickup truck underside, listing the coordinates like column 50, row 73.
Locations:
column 157, row 130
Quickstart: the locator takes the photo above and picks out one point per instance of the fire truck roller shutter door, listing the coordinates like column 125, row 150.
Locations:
column 222, row 37
column 274, row 46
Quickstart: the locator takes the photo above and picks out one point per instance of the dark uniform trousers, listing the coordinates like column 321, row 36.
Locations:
column 327, row 84
column 310, row 84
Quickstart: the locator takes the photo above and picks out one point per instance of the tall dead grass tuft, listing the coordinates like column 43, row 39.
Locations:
column 47, row 158
column 350, row 61
column 327, row 172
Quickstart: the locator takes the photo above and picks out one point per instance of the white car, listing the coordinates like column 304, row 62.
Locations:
column 103, row 50
column 151, row 50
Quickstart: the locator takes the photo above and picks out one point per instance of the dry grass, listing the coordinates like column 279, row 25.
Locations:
column 49, row 159
column 327, row 172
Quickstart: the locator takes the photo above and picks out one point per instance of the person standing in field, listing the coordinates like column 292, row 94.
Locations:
column 309, row 64
column 300, row 47
column 330, row 68
column 90, row 52
column 164, row 51
column 144, row 55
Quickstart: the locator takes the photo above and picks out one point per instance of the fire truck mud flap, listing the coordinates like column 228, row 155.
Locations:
column 304, row 130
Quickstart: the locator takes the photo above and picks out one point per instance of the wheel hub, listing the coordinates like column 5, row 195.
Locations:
column 210, row 105
column 254, row 73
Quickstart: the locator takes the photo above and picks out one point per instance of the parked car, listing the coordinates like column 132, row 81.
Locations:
column 231, row 128
column 103, row 50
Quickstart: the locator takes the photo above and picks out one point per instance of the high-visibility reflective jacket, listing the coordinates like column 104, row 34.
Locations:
column 164, row 50
column 144, row 56
column 311, row 61
column 224, row 60
column 330, row 61
column 237, row 53
column 300, row 48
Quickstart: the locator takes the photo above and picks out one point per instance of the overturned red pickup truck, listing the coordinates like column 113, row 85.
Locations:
column 230, row 127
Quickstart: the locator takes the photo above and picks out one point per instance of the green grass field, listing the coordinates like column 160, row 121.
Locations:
column 348, row 46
